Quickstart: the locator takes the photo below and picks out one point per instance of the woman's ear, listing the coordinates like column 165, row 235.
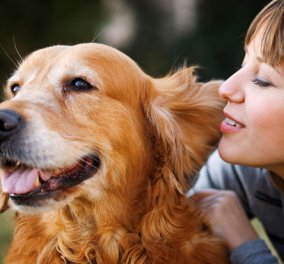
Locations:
column 185, row 116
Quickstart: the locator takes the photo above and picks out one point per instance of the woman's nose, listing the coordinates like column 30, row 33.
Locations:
column 232, row 89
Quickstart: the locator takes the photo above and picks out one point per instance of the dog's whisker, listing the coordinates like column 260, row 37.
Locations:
column 99, row 146
column 9, row 57
column 107, row 157
column 96, row 36
column 19, row 54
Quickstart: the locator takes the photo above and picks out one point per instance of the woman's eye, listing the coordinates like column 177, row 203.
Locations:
column 78, row 84
column 262, row 83
column 15, row 88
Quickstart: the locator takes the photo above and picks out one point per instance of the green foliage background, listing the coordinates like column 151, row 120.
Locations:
column 216, row 43
column 6, row 229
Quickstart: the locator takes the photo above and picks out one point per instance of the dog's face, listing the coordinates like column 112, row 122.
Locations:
column 78, row 121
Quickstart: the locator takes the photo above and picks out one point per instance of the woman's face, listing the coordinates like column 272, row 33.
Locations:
column 253, row 129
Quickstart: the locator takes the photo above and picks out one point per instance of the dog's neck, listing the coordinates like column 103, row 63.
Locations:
column 100, row 228
column 107, row 228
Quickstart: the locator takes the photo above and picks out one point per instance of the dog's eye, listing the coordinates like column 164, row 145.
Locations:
column 15, row 88
column 78, row 84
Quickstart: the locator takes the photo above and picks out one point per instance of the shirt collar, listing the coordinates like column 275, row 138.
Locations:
column 277, row 182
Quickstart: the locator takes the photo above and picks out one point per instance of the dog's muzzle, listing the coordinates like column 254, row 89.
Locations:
column 26, row 184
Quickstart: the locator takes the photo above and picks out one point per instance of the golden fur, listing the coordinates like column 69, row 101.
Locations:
column 151, row 136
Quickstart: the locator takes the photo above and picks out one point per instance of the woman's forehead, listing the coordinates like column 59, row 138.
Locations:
column 255, row 44
column 254, row 48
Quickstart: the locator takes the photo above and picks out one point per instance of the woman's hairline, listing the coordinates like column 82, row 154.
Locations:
column 272, row 45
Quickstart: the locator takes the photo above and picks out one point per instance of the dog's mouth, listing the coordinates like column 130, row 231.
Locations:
column 26, row 185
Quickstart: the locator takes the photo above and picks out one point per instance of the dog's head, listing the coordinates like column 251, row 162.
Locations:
column 83, row 120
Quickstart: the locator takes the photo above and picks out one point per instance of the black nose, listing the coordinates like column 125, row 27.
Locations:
column 9, row 122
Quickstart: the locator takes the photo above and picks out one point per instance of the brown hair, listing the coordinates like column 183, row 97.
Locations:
column 272, row 46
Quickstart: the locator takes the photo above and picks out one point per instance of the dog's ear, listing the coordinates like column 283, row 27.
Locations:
column 184, row 117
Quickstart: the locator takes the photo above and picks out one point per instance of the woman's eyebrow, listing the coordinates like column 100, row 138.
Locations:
column 258, row 57
column 261, row 60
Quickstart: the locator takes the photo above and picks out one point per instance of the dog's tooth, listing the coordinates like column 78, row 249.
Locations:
column 57, row 172
column 37, row 180
column 17, row 165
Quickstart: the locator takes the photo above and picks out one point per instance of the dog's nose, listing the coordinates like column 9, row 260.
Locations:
column 9, row 121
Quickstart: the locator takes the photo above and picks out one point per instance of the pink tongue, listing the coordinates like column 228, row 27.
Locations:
column 20, row 181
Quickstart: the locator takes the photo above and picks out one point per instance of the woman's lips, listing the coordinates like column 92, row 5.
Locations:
column 230, row 125
column 232, row 122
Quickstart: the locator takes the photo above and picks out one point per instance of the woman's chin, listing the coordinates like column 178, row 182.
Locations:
column 228, row 152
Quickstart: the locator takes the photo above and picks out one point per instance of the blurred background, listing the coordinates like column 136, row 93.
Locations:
column 160, row 35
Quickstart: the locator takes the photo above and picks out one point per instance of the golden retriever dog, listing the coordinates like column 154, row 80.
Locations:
column 97, row 157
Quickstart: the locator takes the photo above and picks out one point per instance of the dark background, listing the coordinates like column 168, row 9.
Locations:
column 164, row 34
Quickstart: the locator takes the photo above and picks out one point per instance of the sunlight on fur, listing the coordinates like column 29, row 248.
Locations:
column 97, row 157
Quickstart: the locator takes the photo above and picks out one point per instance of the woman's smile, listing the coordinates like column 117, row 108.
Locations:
column 230, row 125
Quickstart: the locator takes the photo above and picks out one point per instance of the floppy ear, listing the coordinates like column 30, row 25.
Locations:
column 184, row 117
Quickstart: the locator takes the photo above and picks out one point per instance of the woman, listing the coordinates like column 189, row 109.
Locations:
column 248, row 169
